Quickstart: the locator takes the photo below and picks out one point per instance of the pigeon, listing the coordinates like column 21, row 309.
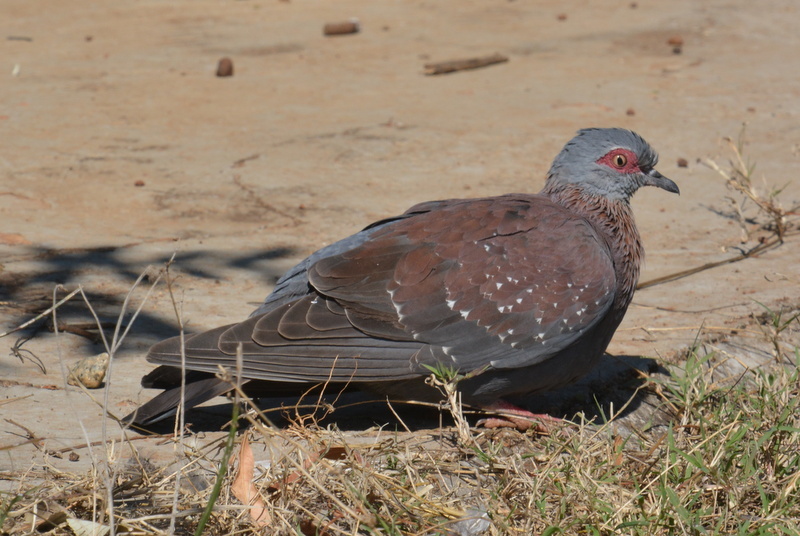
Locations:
column 516, row 294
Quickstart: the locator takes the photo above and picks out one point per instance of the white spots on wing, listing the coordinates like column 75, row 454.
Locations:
column 511, row 331
column 512, row 280
column 315, row 300
column 486, row 247
column 499, row 284
column 451, row 304
column 529, row 290
column 447, row 350
column 555, row 305
column 502, row 308
column 539, row 320
column 541, row 335
column 465, row 314
column 569, row 285
column 519, row 300
column 397, row 307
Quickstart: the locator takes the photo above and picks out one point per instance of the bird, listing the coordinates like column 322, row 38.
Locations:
column 518, row 294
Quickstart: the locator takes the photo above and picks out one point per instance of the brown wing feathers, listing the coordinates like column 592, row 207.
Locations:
column 434, row 282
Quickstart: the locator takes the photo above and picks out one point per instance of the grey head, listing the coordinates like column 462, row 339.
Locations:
column 608, row 162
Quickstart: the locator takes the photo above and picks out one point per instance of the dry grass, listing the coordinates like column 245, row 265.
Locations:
column 726, row 462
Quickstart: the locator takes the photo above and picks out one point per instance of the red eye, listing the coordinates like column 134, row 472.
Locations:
column 620, row 160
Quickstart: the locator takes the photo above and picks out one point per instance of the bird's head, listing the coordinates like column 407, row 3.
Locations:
column 608, row 162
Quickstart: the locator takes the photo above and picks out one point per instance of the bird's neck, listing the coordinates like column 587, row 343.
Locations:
column 613, row 220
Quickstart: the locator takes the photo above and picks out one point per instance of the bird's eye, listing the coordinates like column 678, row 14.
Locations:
column 619, row 160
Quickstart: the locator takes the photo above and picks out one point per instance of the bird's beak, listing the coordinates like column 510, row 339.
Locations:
column 654, row 178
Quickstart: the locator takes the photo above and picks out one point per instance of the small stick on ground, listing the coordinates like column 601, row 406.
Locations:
column 452, row 66
column 88, row 330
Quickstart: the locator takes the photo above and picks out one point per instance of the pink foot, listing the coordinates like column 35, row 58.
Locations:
column 511, row 416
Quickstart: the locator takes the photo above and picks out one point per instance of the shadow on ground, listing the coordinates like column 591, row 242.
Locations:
column 106, row 275
column 615, row 388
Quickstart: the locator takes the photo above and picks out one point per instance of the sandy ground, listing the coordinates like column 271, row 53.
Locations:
column 119, row 147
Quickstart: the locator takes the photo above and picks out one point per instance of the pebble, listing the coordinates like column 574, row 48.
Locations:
column 89, row 371
column 225, row 67
column 676, row 42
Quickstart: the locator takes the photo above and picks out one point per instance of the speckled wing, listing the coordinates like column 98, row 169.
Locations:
column 505, row 282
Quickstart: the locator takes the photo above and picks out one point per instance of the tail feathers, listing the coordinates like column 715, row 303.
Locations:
column 166, row 404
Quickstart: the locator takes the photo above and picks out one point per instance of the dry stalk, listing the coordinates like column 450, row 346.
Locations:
column 448, row 387
column 304, row 420
column 108, row 474
column 740, row 180
column 778, row 220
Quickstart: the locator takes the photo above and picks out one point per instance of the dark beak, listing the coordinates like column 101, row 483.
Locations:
column 654, row 178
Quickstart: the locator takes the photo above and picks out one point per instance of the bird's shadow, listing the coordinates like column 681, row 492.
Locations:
column 612, row 390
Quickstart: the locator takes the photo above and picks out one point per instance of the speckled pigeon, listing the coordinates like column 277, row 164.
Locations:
column 522, row 293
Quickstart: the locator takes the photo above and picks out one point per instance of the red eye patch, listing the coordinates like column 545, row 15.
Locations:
column 621, row 161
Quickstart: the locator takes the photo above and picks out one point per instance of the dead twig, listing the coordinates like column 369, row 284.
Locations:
column 452, row 66
column 43, row 313
column 740, row 180
column 25, row 354
column 88, row 330
column 754, row 252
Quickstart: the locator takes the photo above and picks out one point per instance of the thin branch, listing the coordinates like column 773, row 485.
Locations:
column 43, row 313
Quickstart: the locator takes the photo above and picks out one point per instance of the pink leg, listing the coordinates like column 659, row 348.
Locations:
column 511, row 416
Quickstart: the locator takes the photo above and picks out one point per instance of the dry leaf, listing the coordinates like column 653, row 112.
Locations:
column 87, row 528
column 244, row 489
